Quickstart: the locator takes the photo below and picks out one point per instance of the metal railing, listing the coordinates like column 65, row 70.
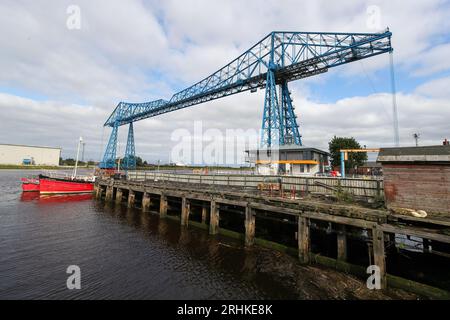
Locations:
column 359, row 187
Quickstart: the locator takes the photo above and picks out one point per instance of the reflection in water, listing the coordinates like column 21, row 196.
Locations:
column 54, row 198
column 29, row 196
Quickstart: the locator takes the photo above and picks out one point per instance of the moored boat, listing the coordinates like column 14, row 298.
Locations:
column 60, row 184
column 49, row 185
column 30, row 184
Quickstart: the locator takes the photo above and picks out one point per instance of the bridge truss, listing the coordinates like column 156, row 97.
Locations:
column 270, row 64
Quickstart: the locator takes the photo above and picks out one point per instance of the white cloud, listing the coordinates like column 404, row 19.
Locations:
column 436, row 88
column 140, row 51
column 434, row 60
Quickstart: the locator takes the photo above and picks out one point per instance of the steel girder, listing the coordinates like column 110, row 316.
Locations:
column 109, row 158
column 129, row 161
column 288, row 120
column 278, row 58
column 295, row 55
column 272, row 131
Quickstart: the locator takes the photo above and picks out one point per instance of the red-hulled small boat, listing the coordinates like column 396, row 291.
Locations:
column 30, row 184
column 49, row 185
column 53, row 184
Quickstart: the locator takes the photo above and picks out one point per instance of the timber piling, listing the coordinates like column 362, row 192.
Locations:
column 209, row 205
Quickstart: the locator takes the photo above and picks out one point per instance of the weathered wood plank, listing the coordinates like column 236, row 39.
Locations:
column 131, row 197
column 119, row 195
column 163, row 206
column 304, row 241
column 204, row 214
column 379, row 254
column 214, row 218
column 185, row 211
column 249, row 226
column 146, row 202
column 341, row 243
column 417, row 232
column 337, row 219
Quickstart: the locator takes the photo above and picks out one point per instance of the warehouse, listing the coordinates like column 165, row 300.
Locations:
column 12, row 154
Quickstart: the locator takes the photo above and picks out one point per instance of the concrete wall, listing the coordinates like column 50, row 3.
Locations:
column 14, row 154
column 418, row 186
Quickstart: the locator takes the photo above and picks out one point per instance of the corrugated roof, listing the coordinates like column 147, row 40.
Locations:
column 29, row 146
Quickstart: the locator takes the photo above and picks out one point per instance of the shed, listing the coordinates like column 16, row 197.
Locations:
column 417, row 178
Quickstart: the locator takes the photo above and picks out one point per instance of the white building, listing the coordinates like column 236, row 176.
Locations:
column 288, row 160
column 29, row 155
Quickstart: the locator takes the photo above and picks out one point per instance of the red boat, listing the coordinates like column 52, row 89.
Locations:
column 50, row 185
column 30, row 184
column 53, row 184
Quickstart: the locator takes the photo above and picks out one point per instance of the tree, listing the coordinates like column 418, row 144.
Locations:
column 139, row 162
column 354, row 159
column 69, row 162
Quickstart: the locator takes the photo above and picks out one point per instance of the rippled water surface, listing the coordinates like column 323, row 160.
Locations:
column 124, row 253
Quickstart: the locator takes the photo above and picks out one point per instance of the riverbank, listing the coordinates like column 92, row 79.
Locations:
column 22, row 167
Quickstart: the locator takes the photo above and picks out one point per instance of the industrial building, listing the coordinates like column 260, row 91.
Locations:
column 12, row 154
column 288, row 160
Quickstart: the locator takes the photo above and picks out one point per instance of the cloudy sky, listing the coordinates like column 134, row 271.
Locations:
column 59, row 82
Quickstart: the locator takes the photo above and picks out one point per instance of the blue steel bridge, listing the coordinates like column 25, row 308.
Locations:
column 280, row 57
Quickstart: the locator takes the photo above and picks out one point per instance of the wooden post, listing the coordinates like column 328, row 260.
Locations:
column 378, row 188
column 109, row 193
column 378, row 254
column 146, row 202
column 249, row 226
column 99, row 192
column 341, row 243
column 163, row 206
column 214, row 218
column 204, row 212
column 119, row 195
column 131, row 198
column 304, row 240
column 185, row 211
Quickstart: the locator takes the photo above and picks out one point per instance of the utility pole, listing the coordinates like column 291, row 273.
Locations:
column 416, row 137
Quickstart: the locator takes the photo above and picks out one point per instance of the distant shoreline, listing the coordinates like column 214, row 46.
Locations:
column 22, row 167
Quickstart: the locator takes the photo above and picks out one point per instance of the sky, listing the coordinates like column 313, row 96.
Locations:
column 65, row 65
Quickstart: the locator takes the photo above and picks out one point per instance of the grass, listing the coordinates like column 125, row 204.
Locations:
column 30, row 167
column 22, row 167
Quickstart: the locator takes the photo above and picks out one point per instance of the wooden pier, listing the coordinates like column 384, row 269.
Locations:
column 201, row 205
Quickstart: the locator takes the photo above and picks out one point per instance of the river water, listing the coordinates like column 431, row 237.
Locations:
column 125, row 254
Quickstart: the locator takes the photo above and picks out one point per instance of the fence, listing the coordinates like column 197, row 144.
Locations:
column 359, row 187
